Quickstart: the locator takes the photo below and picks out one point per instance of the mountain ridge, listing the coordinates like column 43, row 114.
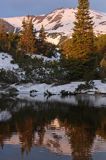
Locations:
column 59, row 22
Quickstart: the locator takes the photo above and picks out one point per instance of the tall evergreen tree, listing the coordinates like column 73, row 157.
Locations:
column 83, row 36
column 100, row 43
column 27, row 42
column 42, row 44
column 13, row 39
column 42, row 34
column 3, row 39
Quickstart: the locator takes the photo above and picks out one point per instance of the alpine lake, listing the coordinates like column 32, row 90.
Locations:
column 55, row 128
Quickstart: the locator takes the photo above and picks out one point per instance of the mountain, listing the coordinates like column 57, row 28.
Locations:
column 8, row 26
column 60, row 22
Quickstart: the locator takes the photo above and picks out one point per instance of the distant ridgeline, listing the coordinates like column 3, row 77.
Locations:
column 7, row 26
column 60, row 23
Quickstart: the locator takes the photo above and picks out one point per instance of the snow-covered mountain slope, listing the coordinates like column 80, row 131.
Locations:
column 61, row 21
column 15, row 21
column 8, row 26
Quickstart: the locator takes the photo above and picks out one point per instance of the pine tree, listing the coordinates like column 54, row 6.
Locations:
column 42, row 44
column 42, row 34
column 100, row 43
column 103, row 67
column 27, row 42
column 13, row 39
column 83, row 36
column 3, row 39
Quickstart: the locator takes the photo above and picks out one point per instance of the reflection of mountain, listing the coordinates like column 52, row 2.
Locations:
column 60, row 127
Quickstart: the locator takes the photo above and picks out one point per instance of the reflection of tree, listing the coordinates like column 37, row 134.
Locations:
column 81, row 139
column 101, row 131
column 4, row 133
column 81, row 124
column 26, row 134
column 41, row 133
column 81, row 128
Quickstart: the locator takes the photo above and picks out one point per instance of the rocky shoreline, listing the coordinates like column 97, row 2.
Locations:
column 73, row 88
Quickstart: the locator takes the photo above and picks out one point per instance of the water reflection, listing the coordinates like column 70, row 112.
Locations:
column 66, row 129
column 89, row 100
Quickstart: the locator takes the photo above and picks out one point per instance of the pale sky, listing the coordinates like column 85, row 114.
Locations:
column 12, row 8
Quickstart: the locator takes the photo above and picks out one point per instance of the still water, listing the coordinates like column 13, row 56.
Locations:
column 72, row 128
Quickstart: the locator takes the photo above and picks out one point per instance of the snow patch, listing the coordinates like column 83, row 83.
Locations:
column 99, row 88
column 6, row 62
column 4, row 116
column 42, row 88
column 46, row 59
column 53, row 40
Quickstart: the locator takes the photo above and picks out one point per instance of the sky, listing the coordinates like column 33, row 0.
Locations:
column 11, row 8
